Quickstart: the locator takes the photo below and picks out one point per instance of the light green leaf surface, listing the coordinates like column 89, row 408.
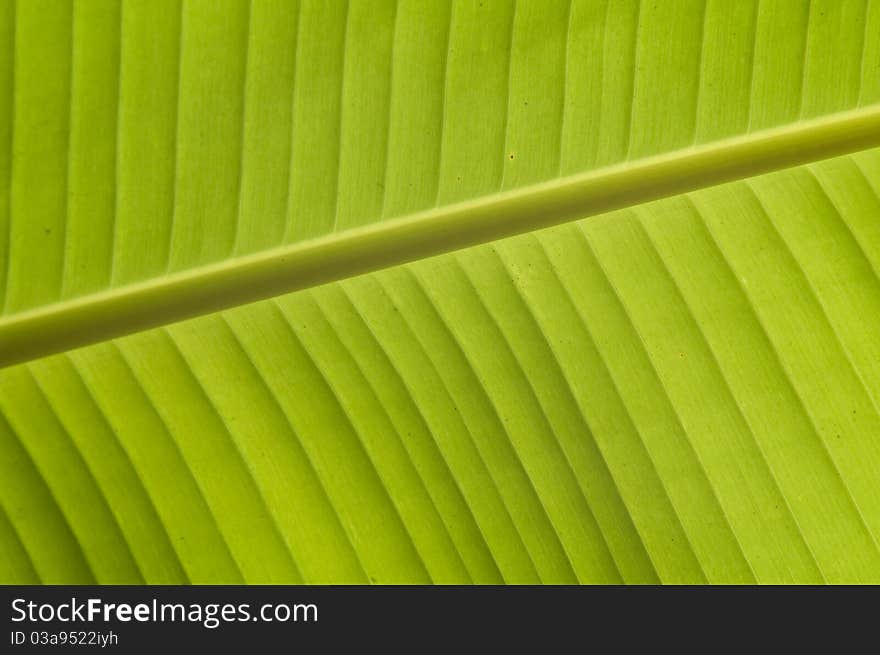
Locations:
column 686, row 390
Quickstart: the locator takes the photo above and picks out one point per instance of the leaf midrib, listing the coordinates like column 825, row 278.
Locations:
column 174, row 297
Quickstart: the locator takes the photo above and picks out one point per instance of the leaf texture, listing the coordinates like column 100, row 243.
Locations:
column 685, row 391
column 146, row 137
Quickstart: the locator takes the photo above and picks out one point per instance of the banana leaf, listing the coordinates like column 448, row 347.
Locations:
column 683, row 390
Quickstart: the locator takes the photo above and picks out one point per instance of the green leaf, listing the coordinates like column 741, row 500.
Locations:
column 684, row 390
